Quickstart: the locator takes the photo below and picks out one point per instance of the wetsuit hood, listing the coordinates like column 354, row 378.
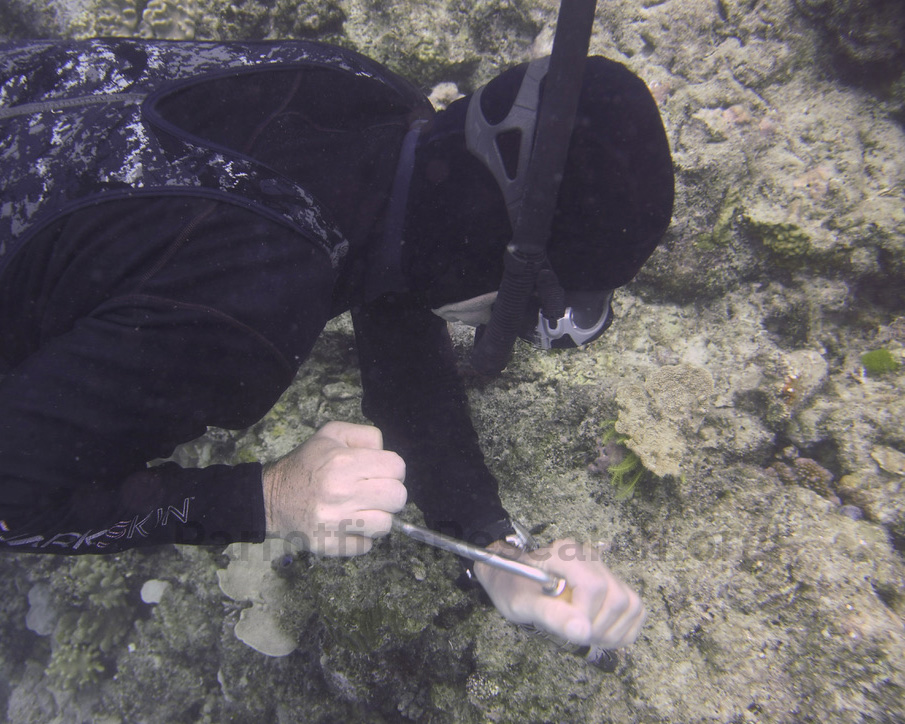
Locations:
column 614, row 204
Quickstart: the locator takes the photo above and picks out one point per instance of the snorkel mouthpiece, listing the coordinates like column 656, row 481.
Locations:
column 526, row 254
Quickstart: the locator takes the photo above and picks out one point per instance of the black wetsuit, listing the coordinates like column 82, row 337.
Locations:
column 133, row 315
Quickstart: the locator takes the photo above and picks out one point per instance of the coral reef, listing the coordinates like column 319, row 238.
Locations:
column 74, row 666
column 734, row 369
column 466, row 43
column 869, row 34
column 160, row 19
column 85, row 613
column 784, row 239
column 108, row 18
column 889, row 459
column 23, row 19
column 808, row 473
column 257, row 19
column 783, row 188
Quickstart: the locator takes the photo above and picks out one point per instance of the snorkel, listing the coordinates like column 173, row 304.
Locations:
column 526, row 269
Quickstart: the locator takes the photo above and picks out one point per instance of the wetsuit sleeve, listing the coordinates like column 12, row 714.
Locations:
column 413, row 393
column 79, row 420
column 208, row 331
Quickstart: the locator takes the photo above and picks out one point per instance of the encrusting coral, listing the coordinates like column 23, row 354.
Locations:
column 660, row 417
column 809, row 474
column 785, row 239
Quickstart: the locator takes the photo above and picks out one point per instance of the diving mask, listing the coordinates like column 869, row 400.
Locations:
column 586, row 316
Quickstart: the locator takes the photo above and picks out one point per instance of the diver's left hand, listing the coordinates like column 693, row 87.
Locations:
column 603, row 611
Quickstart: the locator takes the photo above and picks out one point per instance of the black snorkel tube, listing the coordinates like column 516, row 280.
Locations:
column 525, row 266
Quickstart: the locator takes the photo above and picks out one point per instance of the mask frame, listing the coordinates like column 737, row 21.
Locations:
column 586, row 317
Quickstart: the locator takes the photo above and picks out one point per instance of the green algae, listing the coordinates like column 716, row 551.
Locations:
column 626, row 472
column 880, row 361
column 625, row 475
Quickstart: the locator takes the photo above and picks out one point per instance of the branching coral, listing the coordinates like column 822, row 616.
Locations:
column 82, row 640
column 94, row 582
column 161, row 19
column 108, row 18
column 90, row 618
column 74, row 666
column 168, row 20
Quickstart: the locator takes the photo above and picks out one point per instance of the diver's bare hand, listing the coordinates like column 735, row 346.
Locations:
column 336, row 492
column 600, row 611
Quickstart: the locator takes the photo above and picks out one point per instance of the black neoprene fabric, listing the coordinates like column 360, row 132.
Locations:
column 128, row 327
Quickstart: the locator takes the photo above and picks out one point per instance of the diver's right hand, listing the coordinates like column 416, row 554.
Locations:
column 336, row 492
column 599, row 609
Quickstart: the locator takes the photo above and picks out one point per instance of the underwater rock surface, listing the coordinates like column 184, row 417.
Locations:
column 734, row 368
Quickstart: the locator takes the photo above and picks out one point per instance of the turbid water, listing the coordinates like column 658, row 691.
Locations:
column 765, row 533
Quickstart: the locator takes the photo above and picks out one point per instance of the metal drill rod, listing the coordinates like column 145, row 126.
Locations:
column 552, row 584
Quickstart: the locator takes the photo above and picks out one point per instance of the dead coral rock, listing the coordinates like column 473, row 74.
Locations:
column 780, row 384
column 889, row 459
column 879, row 496
column 867, row 32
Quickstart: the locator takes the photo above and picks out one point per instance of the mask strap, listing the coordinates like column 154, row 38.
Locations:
column 481, row 137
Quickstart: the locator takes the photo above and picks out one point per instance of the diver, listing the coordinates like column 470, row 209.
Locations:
column 179, row 221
